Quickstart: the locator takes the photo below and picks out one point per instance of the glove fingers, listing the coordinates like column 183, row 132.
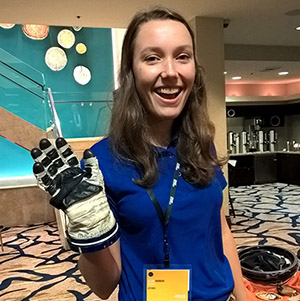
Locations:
column 41, row 175
column 92, row 168
column 58, row 162
column 66, row 153
column 47, row 147
column 39, row 156
column 48, row 156
column 51, row 162
column 43, row 178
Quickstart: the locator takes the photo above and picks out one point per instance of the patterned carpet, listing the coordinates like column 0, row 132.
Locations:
column 267, row 214
column 35, row 267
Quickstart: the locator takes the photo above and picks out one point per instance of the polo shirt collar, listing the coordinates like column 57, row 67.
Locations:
column 171, row 148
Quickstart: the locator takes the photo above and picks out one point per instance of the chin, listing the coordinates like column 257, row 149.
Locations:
column 168, row 117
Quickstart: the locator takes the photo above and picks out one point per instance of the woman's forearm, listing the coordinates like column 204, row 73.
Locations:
column 101, row 270
column 232, row 256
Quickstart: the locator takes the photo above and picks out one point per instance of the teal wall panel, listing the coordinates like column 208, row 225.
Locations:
column 15, row 161
column 98, row 57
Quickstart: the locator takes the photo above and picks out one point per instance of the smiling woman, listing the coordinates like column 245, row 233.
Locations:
column 161, row 176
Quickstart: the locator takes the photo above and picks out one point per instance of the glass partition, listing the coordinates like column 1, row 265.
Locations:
column 22, row 91
column 83, row 114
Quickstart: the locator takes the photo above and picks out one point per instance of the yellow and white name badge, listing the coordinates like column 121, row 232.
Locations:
column 167, row 284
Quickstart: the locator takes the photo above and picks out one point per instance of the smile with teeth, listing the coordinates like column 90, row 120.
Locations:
column 168, row 93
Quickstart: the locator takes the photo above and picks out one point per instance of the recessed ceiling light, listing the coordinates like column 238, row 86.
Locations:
column 297, row 28
column 236, row 77
column 283, row 73
column 225, row 72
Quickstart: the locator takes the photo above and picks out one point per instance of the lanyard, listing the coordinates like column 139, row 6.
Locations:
column 165, row 218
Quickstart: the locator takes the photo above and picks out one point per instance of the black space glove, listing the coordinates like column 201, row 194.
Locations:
column 80, row 194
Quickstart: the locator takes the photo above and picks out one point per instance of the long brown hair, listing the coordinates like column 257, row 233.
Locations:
column 128, row 127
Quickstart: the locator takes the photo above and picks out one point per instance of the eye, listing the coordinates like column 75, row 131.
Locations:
column 152, row 59
column 184, row 57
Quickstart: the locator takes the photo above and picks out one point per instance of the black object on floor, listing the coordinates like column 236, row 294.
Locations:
column 268, row 264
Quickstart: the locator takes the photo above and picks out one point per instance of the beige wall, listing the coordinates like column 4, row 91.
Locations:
column 79, row 145
column 24, row 206
column 210, row 52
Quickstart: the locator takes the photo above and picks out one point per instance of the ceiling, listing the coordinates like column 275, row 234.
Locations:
column 254, row 25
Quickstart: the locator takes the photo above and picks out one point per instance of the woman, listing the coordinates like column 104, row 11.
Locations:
column 162, row 178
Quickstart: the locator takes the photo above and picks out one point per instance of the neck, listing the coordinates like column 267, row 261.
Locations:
column 160, row 133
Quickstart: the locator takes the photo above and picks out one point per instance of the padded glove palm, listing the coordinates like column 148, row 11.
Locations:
column 79, row 193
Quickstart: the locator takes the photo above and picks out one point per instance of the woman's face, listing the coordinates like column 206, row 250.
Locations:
column 164, row 68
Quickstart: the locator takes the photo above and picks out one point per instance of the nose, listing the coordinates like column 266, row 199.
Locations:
column 169, row 69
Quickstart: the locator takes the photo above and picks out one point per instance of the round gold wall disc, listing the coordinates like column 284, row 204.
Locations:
column 66, row 38
column 81, row 48
column 7, row 25
column 82, row 75
column 35, row 32
column 56, row 58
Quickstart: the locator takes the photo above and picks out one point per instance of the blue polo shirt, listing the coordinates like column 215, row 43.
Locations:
column 194, row 230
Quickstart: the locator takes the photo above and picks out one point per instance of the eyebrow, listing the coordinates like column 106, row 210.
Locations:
column 158, row 49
